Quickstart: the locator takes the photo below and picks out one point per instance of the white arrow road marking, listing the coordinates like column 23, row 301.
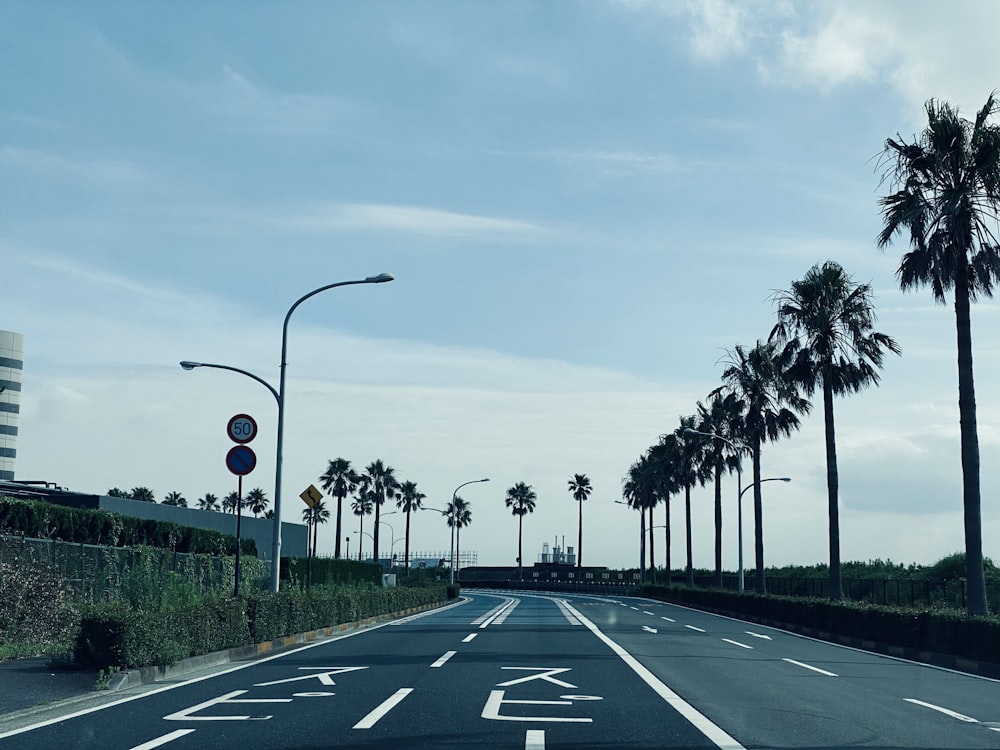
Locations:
column 382, row 709
column 945, row 711
column 649, row 629
column 534, row 739
column 808, row 666
column 692, row 627
column 165, row 739
column 737, row 643
column 758, row 635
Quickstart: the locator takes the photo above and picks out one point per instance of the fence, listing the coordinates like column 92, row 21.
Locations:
column 95, row 573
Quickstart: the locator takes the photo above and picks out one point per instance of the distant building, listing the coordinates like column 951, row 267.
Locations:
column 11, row 365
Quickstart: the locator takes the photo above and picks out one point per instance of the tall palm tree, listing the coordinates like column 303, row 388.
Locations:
column 339, row 480
column 176, row 499
column 521, row 501
column 689, row 470
column 382, row 486
column 828, row 321
column 257, row 501
column 719, row 417
column 231, row 502
column 362, row 506
column 459, row 515
column 758, row 378
column 947, row 196
column 639, row 491
column 664, row 457
column 208, row 502
column 142, row 494
column 579, row 485
column 410, row 499
column 320, row 515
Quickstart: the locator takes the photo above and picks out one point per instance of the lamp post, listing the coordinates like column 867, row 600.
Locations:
column 279, row 396
column 642, row 539
column 454, row 523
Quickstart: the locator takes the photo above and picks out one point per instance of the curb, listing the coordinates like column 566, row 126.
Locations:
column 131, row 678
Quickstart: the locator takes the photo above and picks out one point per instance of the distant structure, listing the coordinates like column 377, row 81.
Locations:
column 11, row 365
column 560, row 555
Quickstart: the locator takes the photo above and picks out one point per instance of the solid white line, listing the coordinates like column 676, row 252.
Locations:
column 561, row 604
column 469, row 637
column 163, row 740
column 386, row 706
column 737, row 643
column 758, row 635
column 692, row 627
column 945, row 711
column 534, row 739
column 809, row 666
column 493, row 612
column 701, row 722
column 447, row 655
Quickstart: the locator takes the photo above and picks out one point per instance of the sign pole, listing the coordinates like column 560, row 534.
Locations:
column 239, row 516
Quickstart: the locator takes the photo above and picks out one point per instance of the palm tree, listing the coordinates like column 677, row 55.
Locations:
column 689, row 470
column 827, row 320
column 948, row 196
column 579, row 485
column 208, row 502
column 118, row 492
column 176, row 499
column 339, row 480
column 521, row 501
column 720, row 417
column 382, row 486
column 639, row 491
column 231, row 502
column 410, row 499
column 362, row 506
column 459, row 515
column 257, row 501
column 142, row 494
column 320, row 514
column 758, row 378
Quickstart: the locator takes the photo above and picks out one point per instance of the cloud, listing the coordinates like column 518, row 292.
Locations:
column 39, row 163
column 616, row 163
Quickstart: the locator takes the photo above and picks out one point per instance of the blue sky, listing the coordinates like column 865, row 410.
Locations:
column 584, row 205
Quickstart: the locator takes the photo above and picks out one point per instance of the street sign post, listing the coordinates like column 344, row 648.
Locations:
column 242, row 428
column 310, row 496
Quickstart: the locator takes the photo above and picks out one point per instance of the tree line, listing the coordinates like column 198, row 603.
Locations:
column 255, row 501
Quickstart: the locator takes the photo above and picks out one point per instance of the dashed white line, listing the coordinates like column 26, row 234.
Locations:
column 945, row 711
column 447, row 655
column 668, row 619
column 534, row 739
column 381, row 710
column 758, row 635
column 809, row 666
column 159, row 741
column 737, row 643
column 692, row 627
column 635, row 608
column 648, row 613
column 469, row 637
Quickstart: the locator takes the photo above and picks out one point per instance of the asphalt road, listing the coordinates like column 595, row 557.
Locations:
column 545, row 671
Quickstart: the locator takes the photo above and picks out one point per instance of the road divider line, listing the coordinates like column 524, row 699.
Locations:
column 160, row 741
column 493, row 612
column 561, row 603
column 382, row 709
column 648, row 613
column 668, row 619
column 440, row 662
column 702, row 723
column 809, row 666
column 737, row 643
column 692, row 627
column 758, row 635
column 469, row 637
column 945, row 711
column 534, row 739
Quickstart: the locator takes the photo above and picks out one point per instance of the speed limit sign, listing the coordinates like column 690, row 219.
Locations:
column 242, row 428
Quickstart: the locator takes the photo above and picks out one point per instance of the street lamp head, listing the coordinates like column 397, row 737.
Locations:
column 190, row 365
column 380, row 279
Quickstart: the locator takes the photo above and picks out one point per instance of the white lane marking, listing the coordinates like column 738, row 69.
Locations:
column 635, row 608
column 499, row 619
column 692, row 627
column 809, row 666
column 649, row 629
column 668, row 619
column 561, row 603
column 214, row 674
column 648, row 613
column 544, row 673
column 469, row 637
column 382, row 709
column 493, row 612
column 701, row 722
column 758, row 635
column 496, row 701
column 445, row 657
column 737, row 643
column 163, row 740
column 945, row 711
column 324, row 675
column 534, row 739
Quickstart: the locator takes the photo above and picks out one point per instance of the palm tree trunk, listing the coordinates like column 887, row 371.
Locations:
column 378, row 509
column 718, row 522
column 407, row 553
column 520, row 519
column 760, row 583
column 976, row 603
column 458, row 550
column 666, row 539
column 336, row 545
column 361, row 536
column 579, row 541
column 652, row 550
column 687, row 529
column 642, row 545
column 836, row 591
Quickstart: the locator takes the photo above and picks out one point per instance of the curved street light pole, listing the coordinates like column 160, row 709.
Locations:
column 279, row 395
column 454, row 523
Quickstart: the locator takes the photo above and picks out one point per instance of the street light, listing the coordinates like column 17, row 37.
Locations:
column 279, row 396
column 454, row 523
column 642, row 538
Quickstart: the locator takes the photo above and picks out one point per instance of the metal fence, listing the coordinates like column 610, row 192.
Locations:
column 96, row 573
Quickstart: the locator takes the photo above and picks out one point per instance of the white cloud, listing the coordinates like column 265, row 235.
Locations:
column 45, row 164
column 616, row 163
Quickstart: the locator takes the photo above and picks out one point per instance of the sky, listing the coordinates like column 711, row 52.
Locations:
column 584, row 205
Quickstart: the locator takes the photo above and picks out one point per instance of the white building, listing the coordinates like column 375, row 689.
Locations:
column 11, row 365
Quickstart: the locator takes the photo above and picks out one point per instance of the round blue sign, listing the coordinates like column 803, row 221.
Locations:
column 241, row 460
